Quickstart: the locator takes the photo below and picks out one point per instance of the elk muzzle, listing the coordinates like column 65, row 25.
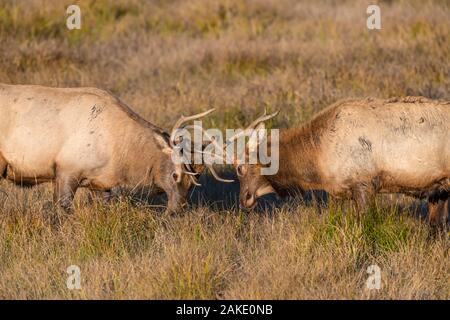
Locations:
column 247, row 200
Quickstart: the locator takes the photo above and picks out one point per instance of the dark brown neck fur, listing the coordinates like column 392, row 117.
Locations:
column 299, row 150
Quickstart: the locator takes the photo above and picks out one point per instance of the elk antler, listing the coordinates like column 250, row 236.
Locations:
column 216, row 176
column 253, row 125
column 191, row 174
column 188, row 169
column 221, row 155
column 182, row 120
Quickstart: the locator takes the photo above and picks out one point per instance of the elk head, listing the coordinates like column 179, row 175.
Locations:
column 253, row 183
column 183, row 173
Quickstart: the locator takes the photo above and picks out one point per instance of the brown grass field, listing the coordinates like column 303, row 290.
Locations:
column 164, row 58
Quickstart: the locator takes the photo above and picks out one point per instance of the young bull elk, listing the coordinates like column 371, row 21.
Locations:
column 86, row 137
column 356, row 148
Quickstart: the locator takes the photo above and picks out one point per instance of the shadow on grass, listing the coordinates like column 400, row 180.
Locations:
column 219, row 196
column 225, row 196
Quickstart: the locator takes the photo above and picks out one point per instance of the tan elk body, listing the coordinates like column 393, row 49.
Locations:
column 356, row 148
column 84, row 137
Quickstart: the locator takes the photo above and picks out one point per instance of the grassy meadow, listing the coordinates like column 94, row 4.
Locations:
column 165, row 58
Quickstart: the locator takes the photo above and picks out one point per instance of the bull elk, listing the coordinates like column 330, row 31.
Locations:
column 86, row 137
column 356, row 148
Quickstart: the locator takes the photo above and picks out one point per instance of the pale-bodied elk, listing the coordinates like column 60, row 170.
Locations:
column 357, row 148
column 86, row 137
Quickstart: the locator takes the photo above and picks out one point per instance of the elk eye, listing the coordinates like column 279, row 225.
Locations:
column 240, row 170
column 175, row 176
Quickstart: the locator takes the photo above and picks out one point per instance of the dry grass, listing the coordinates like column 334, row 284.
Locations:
column 129, row 250
column 167, row 57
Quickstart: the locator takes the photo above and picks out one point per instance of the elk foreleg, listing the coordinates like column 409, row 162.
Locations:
column 3, row 166
column 64, row 188
column 363, row 196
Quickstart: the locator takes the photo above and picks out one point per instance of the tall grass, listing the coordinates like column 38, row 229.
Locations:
column 130, row 249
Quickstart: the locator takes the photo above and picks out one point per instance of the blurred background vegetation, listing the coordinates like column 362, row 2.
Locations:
column 167, row 57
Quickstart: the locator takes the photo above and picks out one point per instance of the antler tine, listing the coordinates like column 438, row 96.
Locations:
column 253, row 125
column 262, row 118
column 184, row 119
column 216, row 176
column 188, row 169
column 213, row 155
column 191, row 174
column 213, row 141
column 195, row 181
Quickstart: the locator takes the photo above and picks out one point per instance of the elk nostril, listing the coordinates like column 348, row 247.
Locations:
column 248, row 196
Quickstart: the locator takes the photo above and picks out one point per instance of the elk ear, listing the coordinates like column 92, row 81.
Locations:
column 256, row 137
column 163, row 143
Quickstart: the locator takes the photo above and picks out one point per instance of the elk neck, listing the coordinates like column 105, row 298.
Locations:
column 298, row 153
column 141, row 157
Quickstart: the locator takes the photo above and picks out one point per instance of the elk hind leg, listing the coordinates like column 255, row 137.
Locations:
column 438, row 209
